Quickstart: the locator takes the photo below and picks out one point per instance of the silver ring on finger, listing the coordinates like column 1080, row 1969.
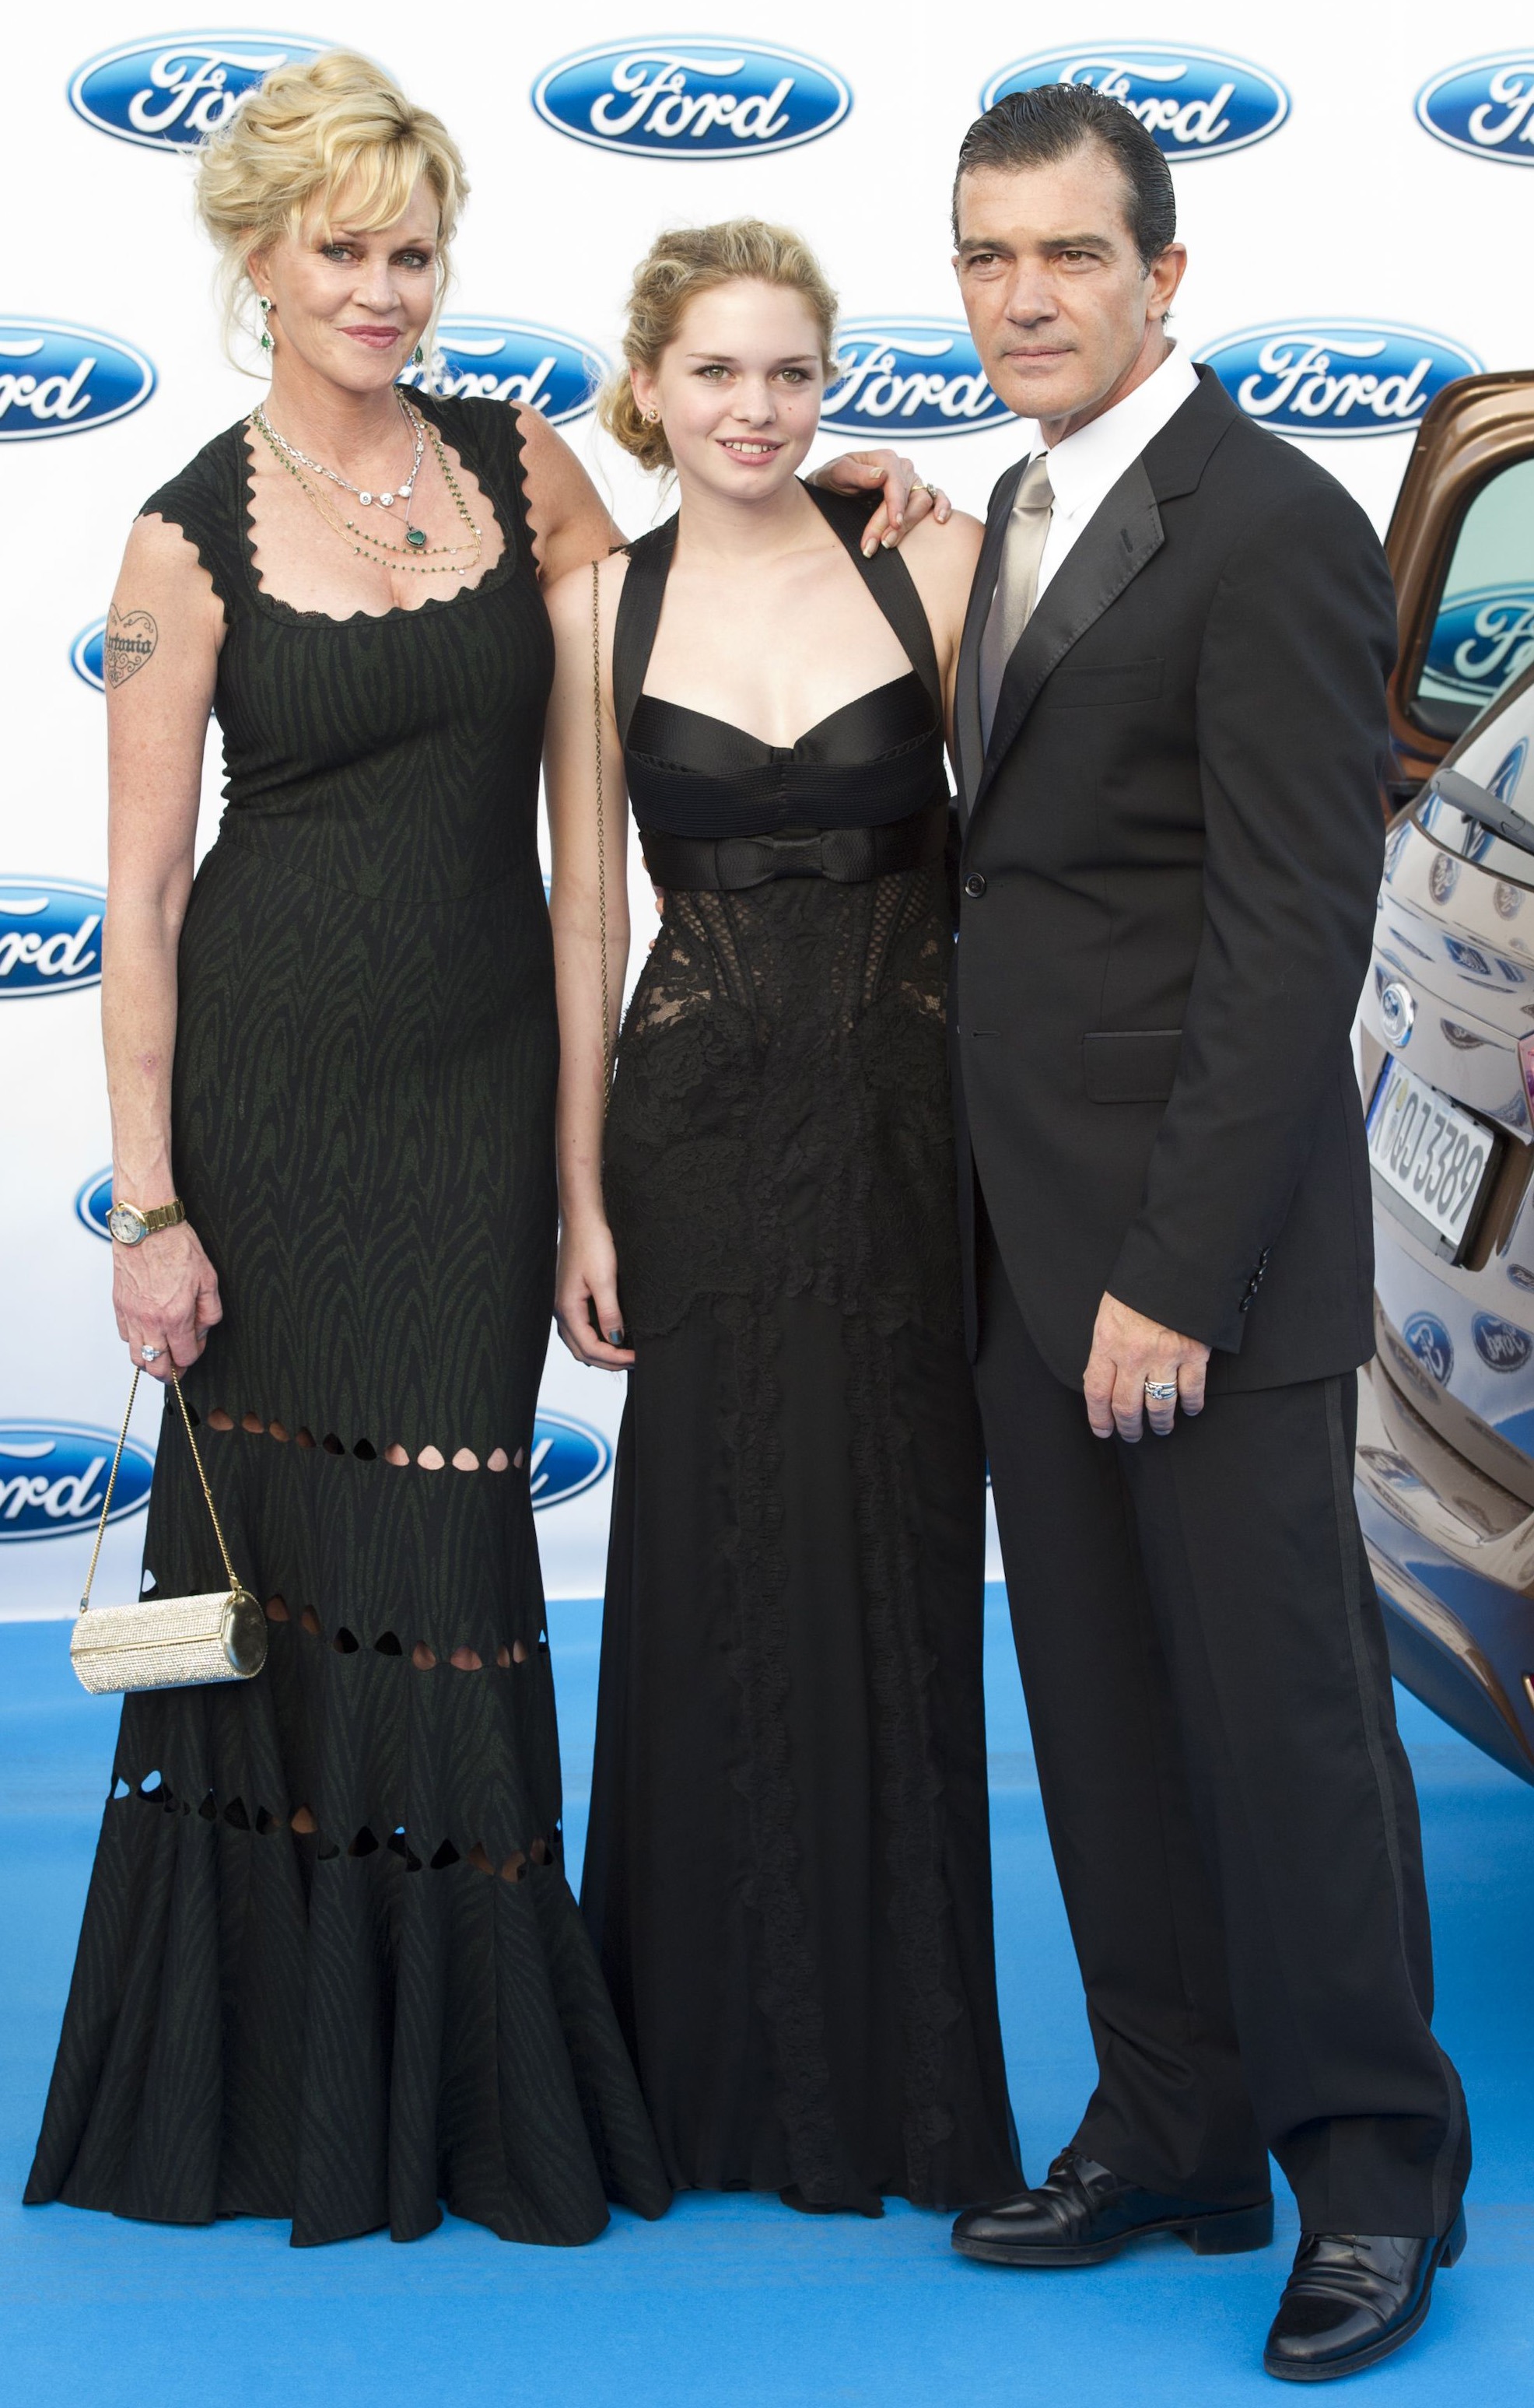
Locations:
column 1161, row 1391
column 149, row 1353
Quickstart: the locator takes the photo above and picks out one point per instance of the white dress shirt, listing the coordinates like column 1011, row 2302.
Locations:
column 1084, row 467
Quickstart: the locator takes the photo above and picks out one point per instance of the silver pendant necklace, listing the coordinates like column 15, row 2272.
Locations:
column 415, row 536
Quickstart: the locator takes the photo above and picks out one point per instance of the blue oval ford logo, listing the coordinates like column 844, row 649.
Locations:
column 50, row 934
column 93, row 1203
column 58, row 379
column 1485, row 107
column 1194, row 104
column 1337, row 376
column 1480, row 641
column 909, row 375
column 53, row 1477
column 567, row 1457
column 1501, row 1344
column 177, row 88
column 675, row 97
column 1428, row 1341
column 87, row 654
column 510, row 359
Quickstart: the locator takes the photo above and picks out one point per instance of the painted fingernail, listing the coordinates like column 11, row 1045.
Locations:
column 615, row 1336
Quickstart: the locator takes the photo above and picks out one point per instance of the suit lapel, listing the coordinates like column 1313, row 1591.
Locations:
column 1123, row 534
column 966, row 728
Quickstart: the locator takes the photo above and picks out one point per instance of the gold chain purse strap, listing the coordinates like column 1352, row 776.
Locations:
column 601, row 832
column 112, row 1484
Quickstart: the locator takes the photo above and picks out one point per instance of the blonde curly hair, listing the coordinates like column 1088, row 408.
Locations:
column 305, row 137
column 680, row 265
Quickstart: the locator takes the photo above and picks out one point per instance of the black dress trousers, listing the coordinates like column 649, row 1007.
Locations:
column 1229, row 1804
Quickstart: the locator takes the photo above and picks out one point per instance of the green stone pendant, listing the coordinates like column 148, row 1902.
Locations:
column 416, row 539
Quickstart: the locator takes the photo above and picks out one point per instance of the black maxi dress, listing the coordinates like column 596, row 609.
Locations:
column 397, row 2004
column 787, row 1868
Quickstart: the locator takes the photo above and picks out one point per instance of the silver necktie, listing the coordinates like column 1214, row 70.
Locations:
column 1017, row 583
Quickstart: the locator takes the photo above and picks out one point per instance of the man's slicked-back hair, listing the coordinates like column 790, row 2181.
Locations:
column 1027, row 129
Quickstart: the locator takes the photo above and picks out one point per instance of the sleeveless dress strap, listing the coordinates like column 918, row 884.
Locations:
column 889, row 581
column 207, row 502
column 638, row 616
column 487, row 438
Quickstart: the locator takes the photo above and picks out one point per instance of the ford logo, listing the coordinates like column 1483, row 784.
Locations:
column 1482, row 641
column 1194, row 104
column 49, row 935
column 53, row 1477
column 909, row 375
column 1442, row 877
column 87, row 654
column 567, row 1457
column 674, row 97
column 57, row 380
column 177, row 88
column 1428, row 1341
column 1485, row 107
column 93, row 1203
column 1466, row 957
column 509, row 359
column 1501, row 1346
column 1337, row 376
column 1397, row 1010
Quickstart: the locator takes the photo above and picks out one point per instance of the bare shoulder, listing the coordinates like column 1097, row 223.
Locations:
column 569, row 519
column 952, row 550
column 158, row 554
column 568, row 599
column 163, row 596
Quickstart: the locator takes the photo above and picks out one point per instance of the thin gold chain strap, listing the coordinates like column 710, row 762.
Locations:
column 112, row 1484
column 601, row 832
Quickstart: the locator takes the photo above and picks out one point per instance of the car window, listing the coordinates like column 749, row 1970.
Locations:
column 1484, row 634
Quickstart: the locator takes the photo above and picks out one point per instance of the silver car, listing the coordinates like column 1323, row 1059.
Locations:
column 1445, row 1466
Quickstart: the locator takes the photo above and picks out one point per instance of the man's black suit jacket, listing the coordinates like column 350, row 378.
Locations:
column 1171, row 851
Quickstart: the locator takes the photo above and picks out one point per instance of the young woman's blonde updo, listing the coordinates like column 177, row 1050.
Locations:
column 308, row 138
column 678, row 267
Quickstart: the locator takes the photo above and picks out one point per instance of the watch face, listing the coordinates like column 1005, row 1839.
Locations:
column 125, row 1224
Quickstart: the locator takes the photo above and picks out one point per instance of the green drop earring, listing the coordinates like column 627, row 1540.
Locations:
column 264, row 305
column 417, row 356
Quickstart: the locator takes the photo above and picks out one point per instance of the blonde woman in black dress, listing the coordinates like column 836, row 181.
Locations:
column 788, row 1868
column 330, row 1968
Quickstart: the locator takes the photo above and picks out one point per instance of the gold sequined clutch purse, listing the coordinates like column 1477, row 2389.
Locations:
column 167, row 1642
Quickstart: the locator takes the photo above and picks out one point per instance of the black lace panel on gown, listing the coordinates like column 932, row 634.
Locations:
column 788, row 1868
column 330, row 1969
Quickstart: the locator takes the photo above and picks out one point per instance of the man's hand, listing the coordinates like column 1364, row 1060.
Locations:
column 907, row 498
column 1127, row 1351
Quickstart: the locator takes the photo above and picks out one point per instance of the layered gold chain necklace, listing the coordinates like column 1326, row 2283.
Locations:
column 413, row 555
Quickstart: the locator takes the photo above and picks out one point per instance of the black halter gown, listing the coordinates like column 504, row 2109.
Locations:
column 330, row 1968
column 788, row 1864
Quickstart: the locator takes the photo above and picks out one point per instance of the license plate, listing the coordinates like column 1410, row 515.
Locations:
column 1431, row 1154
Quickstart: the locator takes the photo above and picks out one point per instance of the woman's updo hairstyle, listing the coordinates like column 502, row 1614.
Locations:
column 307, row 138
column 678, row 267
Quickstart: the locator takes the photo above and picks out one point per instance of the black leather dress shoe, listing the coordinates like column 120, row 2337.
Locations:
column 1082, row 2214
column 1353, row 2298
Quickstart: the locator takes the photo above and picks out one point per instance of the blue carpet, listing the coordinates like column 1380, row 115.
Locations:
column 731, row 2301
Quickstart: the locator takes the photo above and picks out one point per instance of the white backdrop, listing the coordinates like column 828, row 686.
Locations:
column 1352, row 213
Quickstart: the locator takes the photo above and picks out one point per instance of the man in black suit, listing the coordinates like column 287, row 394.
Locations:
column 1172, row 727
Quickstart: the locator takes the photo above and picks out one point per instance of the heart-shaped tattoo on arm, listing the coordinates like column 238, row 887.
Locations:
column 132, row 637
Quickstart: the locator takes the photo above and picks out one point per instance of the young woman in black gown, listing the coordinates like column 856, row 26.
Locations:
column 788, row 1866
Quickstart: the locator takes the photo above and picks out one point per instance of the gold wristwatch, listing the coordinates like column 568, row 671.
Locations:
column 130, row 1228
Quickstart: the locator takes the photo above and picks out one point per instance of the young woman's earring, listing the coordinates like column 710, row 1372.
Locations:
column 651, row 418
column 264, row 305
